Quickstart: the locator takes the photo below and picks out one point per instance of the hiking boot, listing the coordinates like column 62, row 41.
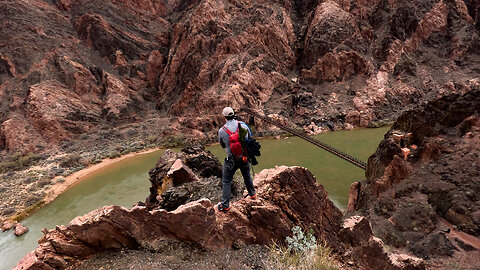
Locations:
column 221, row 209
column 254, row 196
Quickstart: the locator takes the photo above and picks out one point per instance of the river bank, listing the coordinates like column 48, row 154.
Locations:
column 60, row 183
column 25, row 191
column 76, row 177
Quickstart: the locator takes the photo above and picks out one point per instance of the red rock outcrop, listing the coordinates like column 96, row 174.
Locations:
column 8, row 225
column 85, row 57
column 407, row 199
column 175, row 169
column 333, row 67
column 321, row 40
column 234, row 52
column 369, row 252
column 287, row 196
column 55, row 111
column 16, row 134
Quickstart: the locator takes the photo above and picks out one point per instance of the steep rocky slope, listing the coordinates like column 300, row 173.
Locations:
column 428, row 203
column 68, row 67
column 104, row 78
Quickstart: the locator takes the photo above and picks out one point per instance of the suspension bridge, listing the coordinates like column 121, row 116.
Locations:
column 309, row 139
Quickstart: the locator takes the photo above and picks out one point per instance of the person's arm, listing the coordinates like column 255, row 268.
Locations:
column 222, row 144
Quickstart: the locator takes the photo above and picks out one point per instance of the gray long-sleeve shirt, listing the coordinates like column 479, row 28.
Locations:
column 232, row 126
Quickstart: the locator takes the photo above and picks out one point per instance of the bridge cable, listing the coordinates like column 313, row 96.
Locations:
column 309, row 139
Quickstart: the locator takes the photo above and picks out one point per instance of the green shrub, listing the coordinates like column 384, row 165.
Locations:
column 114, row 154
column 18, row 162
column 151, row 139
column 301, row 242
column 302, row 252
column 42, row 183
column 173, row 141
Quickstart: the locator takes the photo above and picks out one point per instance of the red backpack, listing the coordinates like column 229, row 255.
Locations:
column 235, row 143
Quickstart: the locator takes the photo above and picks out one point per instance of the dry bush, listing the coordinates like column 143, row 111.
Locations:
column 70, row 160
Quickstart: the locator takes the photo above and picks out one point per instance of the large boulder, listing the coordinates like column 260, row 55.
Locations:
column 369, row 252
column 175, row 169
column 20, row 229
column 8, row 225
column 287, row 196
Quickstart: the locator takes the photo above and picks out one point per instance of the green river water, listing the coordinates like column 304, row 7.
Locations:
column 126, row 182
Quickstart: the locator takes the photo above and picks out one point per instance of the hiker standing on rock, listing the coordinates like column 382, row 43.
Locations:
column 230, row 137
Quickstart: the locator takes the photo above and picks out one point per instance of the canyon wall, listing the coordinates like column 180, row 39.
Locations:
column 68, row 68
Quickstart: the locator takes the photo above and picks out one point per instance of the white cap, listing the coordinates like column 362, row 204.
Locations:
column 228, row 111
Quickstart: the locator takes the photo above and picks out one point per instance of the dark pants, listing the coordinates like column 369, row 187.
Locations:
column 229, row 168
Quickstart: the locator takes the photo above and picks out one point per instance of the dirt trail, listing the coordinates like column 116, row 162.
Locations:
column 465, row 237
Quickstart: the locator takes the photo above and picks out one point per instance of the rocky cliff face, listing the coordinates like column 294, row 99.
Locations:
column 429, row 201
column 68, row 67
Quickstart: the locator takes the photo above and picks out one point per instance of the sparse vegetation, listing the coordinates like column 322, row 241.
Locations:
column 42, row 183
column 302, row 252
column 29, row 180
column 19, row 161
column 32, row 200
column 173, row 140
column 151, row 139
column 114, row 154
column 70, row 161
column 132, row 132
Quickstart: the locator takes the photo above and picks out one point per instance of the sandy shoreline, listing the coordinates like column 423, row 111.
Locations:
column 59, row 187
column 75, row 178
